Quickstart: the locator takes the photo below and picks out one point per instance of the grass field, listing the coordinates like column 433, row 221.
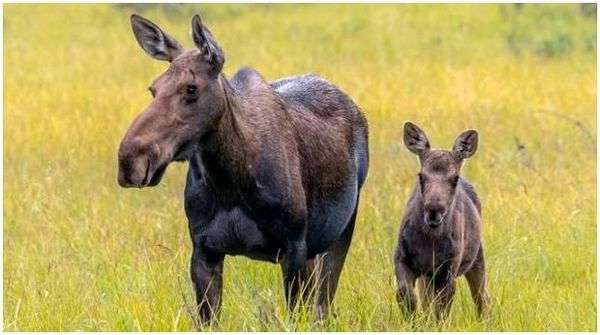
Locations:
column 80, row 253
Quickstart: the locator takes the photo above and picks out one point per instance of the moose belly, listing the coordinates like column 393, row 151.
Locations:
column 328, row 217
column 232, row 232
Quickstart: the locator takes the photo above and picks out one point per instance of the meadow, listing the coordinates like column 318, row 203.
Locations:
column 80, row 253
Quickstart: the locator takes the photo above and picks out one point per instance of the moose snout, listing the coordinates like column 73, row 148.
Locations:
column 134, row 164
column 434, row 215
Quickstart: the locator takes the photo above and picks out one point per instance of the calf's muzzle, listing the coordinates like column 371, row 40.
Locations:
column 434, row 215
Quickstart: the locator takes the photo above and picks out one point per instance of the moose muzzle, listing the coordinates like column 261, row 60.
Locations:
column 139, row 164
column 434, row 215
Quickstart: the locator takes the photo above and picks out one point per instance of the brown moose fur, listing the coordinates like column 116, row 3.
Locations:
column 440, row 237
column 275, row 168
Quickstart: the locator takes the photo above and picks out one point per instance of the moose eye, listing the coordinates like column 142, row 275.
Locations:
column 191, row 89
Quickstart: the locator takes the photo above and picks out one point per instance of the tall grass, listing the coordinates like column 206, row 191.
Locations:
column 80, row 253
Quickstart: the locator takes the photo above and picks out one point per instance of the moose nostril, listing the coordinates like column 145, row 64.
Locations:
column 133, row 171
column 434, row 217
column 123, row 180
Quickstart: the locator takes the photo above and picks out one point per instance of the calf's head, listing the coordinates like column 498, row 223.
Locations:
column 440, row 169
column 188, row 99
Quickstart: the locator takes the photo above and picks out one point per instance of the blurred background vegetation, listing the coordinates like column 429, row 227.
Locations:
column 82, row 254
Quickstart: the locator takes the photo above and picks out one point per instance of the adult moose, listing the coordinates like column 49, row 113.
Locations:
column 275, row 169
column 440, row 238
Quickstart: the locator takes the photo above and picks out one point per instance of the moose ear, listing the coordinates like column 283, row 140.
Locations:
column 466, row 144
column 154, row 40
column 415, row 139
column 206, row 43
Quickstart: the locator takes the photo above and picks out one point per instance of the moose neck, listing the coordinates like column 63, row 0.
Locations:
column 226, row 152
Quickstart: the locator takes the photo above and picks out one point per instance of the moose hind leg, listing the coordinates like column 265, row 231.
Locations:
column 294, row 267
column 207, row 275
column 310, row 275
column 476, row 277
column 330, row 267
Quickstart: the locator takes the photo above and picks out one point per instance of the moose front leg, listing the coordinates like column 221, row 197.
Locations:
column 405, row 294
column 207, row 275
column 443, row 296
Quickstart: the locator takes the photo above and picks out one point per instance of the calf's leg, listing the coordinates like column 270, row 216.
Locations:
column 425, row 292
column 405, row 294
column 444, row 295
column 444, row 286
column 476, row 278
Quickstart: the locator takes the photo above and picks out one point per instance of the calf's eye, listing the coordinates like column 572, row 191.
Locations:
column 454, row 181
column 422, row 179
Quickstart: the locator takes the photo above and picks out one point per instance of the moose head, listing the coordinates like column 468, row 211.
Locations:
column 440, row 169
column 188, row 100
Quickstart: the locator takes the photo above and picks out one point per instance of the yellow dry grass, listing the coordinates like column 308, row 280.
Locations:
column 80, row 253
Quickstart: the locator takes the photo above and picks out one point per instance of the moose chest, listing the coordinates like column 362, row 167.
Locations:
column 227, row 227
column 452, row 252
column 427, row 255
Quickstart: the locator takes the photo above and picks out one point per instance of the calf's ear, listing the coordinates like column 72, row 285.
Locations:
column 466, row 144
column 207, row 44
column 415, row 139
column 154, row 40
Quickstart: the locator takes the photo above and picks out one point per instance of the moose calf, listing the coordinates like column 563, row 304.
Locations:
column 440, row 238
